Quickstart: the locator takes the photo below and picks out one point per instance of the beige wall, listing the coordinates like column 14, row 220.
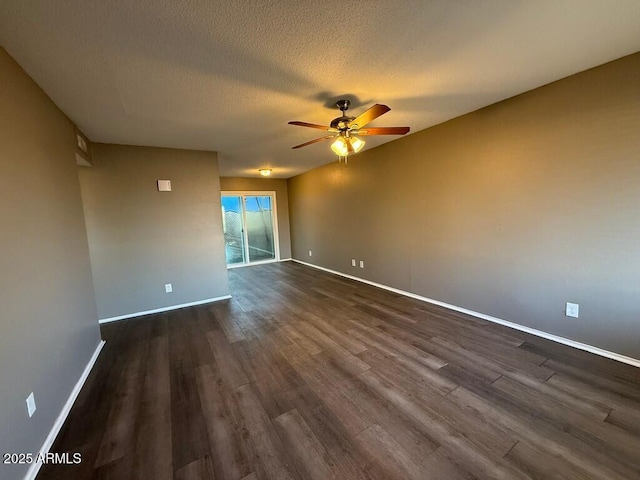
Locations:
column 48, row 320
column 510, row 211
column 282, row 203
column 140, row 239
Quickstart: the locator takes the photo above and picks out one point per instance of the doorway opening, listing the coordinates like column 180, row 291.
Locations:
column 250, row 228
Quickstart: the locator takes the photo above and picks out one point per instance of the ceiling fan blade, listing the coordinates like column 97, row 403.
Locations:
column 321, row 139
column 313, row 125
column 383, row 131
column 370, row 115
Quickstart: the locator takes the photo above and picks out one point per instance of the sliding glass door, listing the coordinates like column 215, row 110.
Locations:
column 258, row 214
column 233, row 225
column 250, row 228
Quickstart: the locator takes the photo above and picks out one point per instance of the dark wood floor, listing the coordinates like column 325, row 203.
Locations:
column 311, row 376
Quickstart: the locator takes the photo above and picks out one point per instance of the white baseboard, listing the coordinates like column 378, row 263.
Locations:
column 286, row 259
column 35, row 466
column 539, row 333
column 164, row 309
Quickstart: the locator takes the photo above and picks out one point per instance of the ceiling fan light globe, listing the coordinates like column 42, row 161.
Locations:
column 339, row 147
column 356, row 143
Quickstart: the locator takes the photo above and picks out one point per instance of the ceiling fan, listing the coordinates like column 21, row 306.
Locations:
column 347, row 130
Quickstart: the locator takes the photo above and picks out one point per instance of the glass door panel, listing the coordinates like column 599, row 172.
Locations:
column 259, row 227
column 232, row 224
column 249, row 226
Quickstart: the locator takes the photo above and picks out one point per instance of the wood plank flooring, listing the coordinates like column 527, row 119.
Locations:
column 306, row 375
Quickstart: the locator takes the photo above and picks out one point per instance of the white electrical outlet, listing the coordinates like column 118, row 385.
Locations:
column 361, row 263
column 572, row 310
column 353, row 262
column 310, row 253
column 31, row 405
column 168, row 288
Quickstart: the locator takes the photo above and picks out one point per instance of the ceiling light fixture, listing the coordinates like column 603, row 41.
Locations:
column 346, row 144
column 339, row 147
column 356, row 143
column 265, row 172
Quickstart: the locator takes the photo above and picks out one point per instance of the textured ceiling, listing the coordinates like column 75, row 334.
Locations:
column 228, row 75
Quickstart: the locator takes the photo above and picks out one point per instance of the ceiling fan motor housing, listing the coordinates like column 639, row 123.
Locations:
column 342, row 123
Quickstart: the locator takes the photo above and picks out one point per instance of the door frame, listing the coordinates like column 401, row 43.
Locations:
column 276, row 237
